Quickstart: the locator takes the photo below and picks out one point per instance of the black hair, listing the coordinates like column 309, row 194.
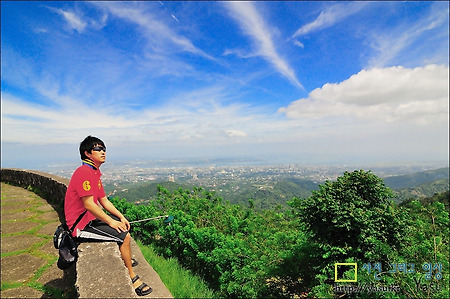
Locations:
column 88, row 144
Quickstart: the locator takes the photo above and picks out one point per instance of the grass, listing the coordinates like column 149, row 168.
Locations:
column 181, row 283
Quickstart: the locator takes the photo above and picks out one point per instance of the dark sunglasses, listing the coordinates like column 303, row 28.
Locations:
column 99, row 149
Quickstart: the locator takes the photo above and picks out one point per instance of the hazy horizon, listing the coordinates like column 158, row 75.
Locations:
column 207, row 162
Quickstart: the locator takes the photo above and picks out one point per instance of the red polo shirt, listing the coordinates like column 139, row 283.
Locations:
column 85, row 181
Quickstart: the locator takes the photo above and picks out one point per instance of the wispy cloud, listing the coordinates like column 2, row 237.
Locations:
column 330, row 16
column 252, row 23
column 162, row 38
column 390, row 45
column 74, row 19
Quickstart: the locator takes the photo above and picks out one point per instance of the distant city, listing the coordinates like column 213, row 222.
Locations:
column 214, row 173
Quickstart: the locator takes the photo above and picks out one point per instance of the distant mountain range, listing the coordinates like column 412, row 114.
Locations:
column 269, row 196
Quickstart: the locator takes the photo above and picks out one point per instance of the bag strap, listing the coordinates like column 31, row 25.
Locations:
column 78, row 220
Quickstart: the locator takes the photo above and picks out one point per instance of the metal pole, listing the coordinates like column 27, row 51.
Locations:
column 153, row 218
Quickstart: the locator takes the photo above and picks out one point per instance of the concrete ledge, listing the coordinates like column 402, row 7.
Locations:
column 101, row 272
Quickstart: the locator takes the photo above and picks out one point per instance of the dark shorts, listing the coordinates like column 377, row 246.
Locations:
column 98, row 231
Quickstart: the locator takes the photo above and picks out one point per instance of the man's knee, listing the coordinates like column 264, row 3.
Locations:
column 127, row 239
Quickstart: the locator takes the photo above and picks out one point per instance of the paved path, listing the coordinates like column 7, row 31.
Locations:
column 28, row 258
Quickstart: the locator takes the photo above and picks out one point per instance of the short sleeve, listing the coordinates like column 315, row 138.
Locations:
column 85, row 183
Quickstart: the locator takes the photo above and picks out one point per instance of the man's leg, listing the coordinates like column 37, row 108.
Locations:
column 125, row 251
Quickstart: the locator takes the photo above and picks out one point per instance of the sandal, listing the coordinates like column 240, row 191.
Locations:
column 134, row 262
column 140, row 289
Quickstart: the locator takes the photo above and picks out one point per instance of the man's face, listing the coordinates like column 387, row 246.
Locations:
column 98, row 154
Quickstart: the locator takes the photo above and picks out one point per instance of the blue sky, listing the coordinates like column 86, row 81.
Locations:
column 297, row 82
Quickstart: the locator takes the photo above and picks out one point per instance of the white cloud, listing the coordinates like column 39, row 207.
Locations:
column 394, row 94
column 299, row 44
column 235, row 133
column 73, row 19
column 330, row 16
column 255, row 26
column 392, row 114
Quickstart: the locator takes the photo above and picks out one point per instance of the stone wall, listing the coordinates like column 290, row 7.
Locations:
column 50, row 187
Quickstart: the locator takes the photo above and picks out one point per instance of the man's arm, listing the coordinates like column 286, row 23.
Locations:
column 89, row 204
column 112, row 209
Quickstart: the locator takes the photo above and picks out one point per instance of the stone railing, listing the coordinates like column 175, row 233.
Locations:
column 50, row 187
column 95, row 277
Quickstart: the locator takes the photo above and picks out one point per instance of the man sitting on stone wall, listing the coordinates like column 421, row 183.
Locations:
column 84, row 193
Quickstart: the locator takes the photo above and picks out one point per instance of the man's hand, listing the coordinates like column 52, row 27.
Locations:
column 126, row 222
column 119, row 226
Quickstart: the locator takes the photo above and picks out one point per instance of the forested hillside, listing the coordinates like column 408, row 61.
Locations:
column 145, row 191
column 421, row 191
column 438, row 197
column 243, row 252
column 416, row 179
column 419, row 185
column 264, row 197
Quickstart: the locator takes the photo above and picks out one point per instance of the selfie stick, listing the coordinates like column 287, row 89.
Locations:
column 153, row 218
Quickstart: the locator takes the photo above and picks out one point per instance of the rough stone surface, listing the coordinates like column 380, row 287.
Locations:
column 49, row 248
column 52, row 187
column 17, row 216
column 17, row 226
column 16, row 243
column 48, row 229
column 13, row 207
column 20, row 268
column 101, row 272
column 49, row 216
column 22, row 292
column 46, row 208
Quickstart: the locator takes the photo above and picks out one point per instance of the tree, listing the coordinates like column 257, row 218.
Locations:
column 352, row 216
